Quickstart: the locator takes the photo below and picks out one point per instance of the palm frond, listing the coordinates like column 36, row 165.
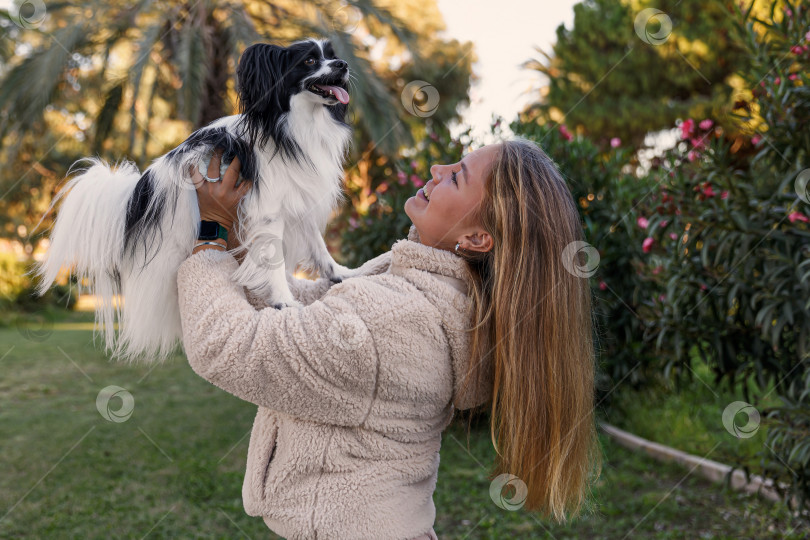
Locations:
column 31, row 85
column 193, row 68
column 240, row 32
column 105, row 118
column 369, row 95
column 399, row 27
column 145, row 45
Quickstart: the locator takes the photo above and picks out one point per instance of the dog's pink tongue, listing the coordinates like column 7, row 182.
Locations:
column 341, row 94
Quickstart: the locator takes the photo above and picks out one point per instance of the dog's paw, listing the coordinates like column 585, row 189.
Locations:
column 288, row 304
column 341, row 273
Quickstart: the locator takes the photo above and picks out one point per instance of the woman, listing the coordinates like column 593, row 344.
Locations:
column 478, row 305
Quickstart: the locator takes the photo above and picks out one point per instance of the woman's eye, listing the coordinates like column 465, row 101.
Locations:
column 309, row 61
column 453, row 177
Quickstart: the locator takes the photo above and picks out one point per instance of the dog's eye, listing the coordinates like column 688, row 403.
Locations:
column 309, row 61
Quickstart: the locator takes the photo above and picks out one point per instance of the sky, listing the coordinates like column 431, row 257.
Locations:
column 504, row 33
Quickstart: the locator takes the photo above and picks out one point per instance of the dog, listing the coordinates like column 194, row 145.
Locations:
column 127, row 233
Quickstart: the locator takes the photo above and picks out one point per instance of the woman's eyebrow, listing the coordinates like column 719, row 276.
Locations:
column 466, row 173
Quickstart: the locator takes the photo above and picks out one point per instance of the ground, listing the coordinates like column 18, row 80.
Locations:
column 175, row 466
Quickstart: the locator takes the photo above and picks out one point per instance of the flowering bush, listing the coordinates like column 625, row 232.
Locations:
column 709, row 250
column 737, row 278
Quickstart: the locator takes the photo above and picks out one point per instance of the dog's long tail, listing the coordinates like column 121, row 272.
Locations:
column 88, row 234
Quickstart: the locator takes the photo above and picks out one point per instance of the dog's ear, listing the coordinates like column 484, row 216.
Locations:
column 259, row 78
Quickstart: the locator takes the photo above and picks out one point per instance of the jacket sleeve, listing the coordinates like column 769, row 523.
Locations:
column 316, row 362
column 307, row 291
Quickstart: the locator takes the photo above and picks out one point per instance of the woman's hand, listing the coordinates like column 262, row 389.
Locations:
column 218, row 200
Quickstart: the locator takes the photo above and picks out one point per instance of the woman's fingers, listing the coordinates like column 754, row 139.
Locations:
column 196, row 178
column 213, row 165
column 244, row 187
column 231, row 174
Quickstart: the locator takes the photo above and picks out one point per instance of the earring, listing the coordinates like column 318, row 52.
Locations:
column 457, row 244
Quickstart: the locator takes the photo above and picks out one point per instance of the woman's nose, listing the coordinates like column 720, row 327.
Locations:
column 435, row 172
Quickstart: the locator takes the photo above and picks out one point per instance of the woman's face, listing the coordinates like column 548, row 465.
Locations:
column 442, row 211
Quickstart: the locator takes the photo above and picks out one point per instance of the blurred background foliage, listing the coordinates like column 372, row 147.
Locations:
column 130, row 81
column 703, row 246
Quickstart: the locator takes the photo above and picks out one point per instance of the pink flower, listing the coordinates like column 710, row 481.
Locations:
column 777, row 81
column 687, row 126
column 797, row 216
column 807, row 36
column 724, row 195
column 647, row 244
column 796, row 49
column 691, row 156
column 706, row 124
column 664, row 223
column 615, row 142
column 352, row 223
column 642, row 222
column 662, row 297
column 402, row 178
column 703, row 287
column 602, row 285
column 793, row 76
column 673, row 236
column 657, row 269
column 708, row 191
column 382, row 187
column 755, row 139
column 414, row 165
column 788, row 12
column 434, row 136
column 565, row 133
column 418, row 182
column 697, row 143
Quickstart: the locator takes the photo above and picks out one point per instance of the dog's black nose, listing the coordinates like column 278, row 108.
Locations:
column 339, row 64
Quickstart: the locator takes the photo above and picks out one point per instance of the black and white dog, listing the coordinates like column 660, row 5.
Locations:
column 128, row 232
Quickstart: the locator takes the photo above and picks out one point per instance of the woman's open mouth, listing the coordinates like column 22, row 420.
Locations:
column 421, row 193
column 330, row 91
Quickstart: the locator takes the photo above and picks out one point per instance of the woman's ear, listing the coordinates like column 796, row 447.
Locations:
column 477, row 241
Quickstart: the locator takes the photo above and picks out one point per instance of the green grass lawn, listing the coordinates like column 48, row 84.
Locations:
column 690, row 418
column 175, row 467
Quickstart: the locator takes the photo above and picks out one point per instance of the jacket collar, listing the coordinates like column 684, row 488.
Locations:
column 447, row 266
column 409, row 254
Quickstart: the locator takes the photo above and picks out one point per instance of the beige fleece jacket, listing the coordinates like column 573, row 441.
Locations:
column 353, row 389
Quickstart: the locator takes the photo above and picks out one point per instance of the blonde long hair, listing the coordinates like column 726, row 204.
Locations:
column 532, row 324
